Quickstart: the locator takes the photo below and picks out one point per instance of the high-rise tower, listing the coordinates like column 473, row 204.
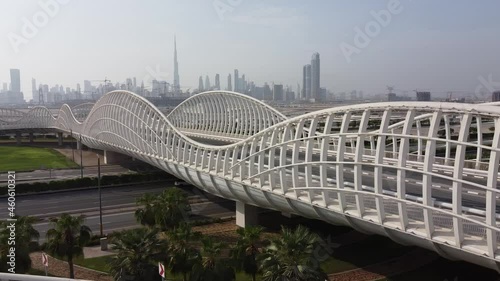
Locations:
column 177, row 87
column 236, row 81
column 304, row 78
column 308, row 79
column 315, row 73
column 229, row 84
column 200, row 84
column 207, row 84
column 217, row 82
column 34, row 91
column 15, row 80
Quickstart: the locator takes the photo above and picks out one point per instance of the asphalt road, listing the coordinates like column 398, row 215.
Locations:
column 118, row 206
column 43, row 175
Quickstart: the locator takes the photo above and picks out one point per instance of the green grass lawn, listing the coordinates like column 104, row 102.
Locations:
column 24, row 158
column 99, row 263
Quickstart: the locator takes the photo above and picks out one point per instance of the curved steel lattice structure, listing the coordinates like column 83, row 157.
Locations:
column 226, row 115
column 423, row 174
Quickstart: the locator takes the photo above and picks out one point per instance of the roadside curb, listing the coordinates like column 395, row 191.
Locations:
column 84, row 188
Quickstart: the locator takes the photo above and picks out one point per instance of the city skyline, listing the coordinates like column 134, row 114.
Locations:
column 436, row 51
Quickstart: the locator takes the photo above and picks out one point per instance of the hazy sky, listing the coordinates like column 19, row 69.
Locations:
column 437, row 45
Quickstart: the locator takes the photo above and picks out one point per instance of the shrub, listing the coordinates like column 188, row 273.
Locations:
column 85, row 182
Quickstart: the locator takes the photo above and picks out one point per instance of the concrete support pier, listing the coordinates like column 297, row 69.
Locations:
column 18, row 138
column 31, row 137
column 60, row 139
column 111, row 158
column 246, row 215
column 78, row 144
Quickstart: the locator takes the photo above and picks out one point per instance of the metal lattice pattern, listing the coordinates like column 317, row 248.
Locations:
column 224, row 114
column 422, row 174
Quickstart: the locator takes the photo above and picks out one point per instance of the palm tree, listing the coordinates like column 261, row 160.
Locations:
column 145, row 215
column 165, row 211
column 182, row 255
column 137, row 250
column 67, row 238
column 212, row 267
column 245, row 251
column 25, row 235
column 290, row 257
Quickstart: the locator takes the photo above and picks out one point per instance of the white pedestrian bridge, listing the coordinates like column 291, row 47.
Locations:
column 420, row 173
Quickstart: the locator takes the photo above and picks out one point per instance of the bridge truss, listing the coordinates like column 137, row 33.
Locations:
column 423, row 174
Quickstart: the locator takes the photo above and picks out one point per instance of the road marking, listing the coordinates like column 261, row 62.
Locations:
column 392, row 178
column 472, row 192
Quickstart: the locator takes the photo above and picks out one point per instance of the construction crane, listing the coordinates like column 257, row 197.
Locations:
column 105, row 83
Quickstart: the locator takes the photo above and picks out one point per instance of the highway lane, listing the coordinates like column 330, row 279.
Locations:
column 39, row 175
column 118, row 206
column 87, row 201
column 126, row 220
column 82, row 200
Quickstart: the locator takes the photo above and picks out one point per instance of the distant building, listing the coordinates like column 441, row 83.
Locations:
column 308, row 82
column 289, row 94
column 278, row 94
column 11, row 98
column 258, row 93
column 495, row 96
column 303, row 93
column 15, row 80
column 243, row 84
column 423, row 96
column 177, row 85
column 87, row 86
column 236, row 81
column 394, row 97
column 322, row 94
column 217, row 82
column 268, row 94
column 34, row 90
column 315, row 73
column 229, row 84
column 207, row 83
column 200, row 84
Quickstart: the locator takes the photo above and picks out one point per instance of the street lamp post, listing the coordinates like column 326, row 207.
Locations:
column 81, row 158
column 72, row 146
column 100, row 194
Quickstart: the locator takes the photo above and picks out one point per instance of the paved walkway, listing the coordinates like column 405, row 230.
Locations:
column 89, row 156
column 60, row 269
column 95, row 251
